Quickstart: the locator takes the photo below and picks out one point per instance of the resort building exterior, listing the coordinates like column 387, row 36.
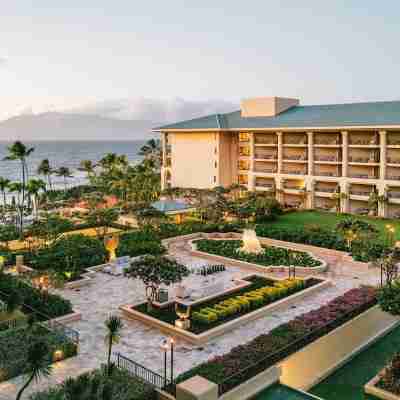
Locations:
column 319, row 156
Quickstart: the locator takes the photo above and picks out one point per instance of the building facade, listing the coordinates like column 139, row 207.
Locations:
column 324, row 157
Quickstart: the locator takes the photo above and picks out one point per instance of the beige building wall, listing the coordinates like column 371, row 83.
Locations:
column 194, row 161
column 227, row 158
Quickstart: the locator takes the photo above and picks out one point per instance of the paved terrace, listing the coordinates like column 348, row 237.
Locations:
column 142, row 343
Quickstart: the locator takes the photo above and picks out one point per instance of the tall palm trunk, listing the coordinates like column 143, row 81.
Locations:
column 27, row 383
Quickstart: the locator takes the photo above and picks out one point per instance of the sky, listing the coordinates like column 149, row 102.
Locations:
column 68, row 53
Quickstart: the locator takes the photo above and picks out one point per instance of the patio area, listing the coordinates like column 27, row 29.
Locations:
column 142, row 343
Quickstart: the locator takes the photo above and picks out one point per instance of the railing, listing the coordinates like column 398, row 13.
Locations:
column 326, row 158
column 364, row 176
column 359, row 193
column 261, row 140
column 266, row 170
column 393, row 160
column 295, row 158
column 139, row 371
column 271, row 359
column 266, row 156
column 394, row 195
column 364, row 142
column 327, row 142
column 325, row 190
column 266, row 185
column 294, row 172
column 363, row 160
column 393, row 177
column 324, row 173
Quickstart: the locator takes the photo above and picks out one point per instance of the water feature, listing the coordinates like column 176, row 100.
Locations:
column 251, row 243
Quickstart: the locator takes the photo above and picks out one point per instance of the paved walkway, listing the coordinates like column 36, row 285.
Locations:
column 142, row 343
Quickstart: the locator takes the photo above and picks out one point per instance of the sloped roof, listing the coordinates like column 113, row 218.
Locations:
column 169, row 206
column 384, row 113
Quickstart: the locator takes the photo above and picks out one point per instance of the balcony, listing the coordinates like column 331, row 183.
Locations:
column 244, row 137
column 265, row 156
column 244, row 151
column 327, row 142
column 363, row 160
column 358, row 192
column 243, row 165
column 295, row 157
column 269, row 141
column 364, row 176
column 367, row 141
column 392, row 160
column 325, row 189
column 265, row 184
column 265, row 170
column 393, row 177
column 393, row 195
column 294, row 172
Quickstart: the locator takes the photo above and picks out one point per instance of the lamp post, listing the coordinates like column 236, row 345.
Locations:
column 164, row 348
column 171, row 344
column 168, row 344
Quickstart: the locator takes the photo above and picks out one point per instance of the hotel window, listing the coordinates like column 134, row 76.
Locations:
column 215, row 164
column 215, row 179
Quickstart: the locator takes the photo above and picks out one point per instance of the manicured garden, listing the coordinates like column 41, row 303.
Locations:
column 97, row 385
column 212, row 313
column 271, row 256
column 246, row 361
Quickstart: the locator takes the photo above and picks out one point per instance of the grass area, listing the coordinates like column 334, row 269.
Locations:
column 329, row 220
column 347, row 382
column 169, row 315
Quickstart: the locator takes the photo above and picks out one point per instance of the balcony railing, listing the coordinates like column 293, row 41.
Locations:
column 292, row 172
column 327, row 158
column 328, row 142
column 258, row 140
column 325, row 190
column 393, row 142
column 266, row 170
column 393, row 177
column 265, row 184
column 359, row 193
column 394, row 195
column 326, row 173
column 364, row 176
column 391, row 160
column 296, row 157
column 296, row 141
column 366, row 160
column 364, row 142
column 266, row 156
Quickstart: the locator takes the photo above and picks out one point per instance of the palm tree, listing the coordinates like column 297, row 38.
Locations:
column 16, row 187
column 37, row 364
column 65, row 173
column 87, row 166
column 152, row 151
column 33, row 187
column 114, row 327
column 4, row 182
column 18, row 151
column 45, row 169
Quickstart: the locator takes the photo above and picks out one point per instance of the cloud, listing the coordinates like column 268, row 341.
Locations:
column 156, row 110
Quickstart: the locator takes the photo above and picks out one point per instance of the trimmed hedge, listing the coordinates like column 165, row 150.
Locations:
column 246, row 361
column 51, row 305
column 272, row 256
column 91, row 385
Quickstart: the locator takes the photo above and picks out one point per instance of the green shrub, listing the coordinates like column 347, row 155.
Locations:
column 139, row 243
column 389, row 298
column 271, row 255
column 50, row 305
column 123, row 386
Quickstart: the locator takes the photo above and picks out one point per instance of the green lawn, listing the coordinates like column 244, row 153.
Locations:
column 329, row 220
column 17, row 314
column 281, row 392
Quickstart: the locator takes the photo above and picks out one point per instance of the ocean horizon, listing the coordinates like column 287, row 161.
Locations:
column 67, row 153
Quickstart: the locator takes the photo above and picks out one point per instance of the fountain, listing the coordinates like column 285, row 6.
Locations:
column 251, row 244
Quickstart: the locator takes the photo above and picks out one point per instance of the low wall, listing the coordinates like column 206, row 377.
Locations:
column 202, row 338
column 258, row 267
column 317, row 360
column 372, row 389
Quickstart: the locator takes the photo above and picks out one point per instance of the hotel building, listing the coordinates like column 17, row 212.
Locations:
column 311, row 156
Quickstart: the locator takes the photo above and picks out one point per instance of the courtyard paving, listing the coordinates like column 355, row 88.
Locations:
column 142, row 343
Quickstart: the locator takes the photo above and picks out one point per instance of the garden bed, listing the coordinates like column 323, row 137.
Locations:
column 223, row 313
column 228, row 251
column 246, row 361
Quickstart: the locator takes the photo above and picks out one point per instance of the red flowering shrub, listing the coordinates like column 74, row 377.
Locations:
column 247, row 360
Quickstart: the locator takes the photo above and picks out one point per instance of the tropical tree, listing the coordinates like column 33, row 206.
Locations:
column 33, row 188
column 114, row 327
column 45, row 169
column 154, row 271
column 101, row 219
column 19, row 152
column 65, row 173
column 356, row 230
column 374, row 200
column 152, row 151
column 4, row 182
column 339, row 197
column 37, row 364
column 16, row 204
column 89, row 167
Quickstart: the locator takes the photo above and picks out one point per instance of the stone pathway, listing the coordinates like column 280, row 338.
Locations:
column 142, row 343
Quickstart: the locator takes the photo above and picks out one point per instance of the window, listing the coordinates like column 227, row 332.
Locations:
column 215, row 179
column 215, row 164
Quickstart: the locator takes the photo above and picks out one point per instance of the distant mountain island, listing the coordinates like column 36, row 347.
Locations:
column 129, row 119
column 62, row 126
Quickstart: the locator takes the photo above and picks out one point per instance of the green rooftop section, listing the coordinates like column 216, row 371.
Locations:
column 347, row 383
column 170, row 206
column 282, row 392
column 354, row 114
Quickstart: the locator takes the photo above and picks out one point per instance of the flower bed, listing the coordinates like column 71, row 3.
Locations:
column 219, row 310
column 272, row 256
column 246, row 361
column 121, row 384
column 14, row 347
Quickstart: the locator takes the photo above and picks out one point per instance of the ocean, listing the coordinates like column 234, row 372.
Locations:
column 66, row 154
